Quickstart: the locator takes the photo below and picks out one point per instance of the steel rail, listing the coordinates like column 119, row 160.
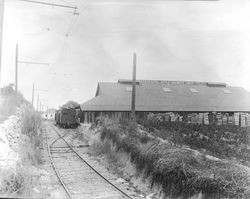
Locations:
column 105, row 179
column 55, row 169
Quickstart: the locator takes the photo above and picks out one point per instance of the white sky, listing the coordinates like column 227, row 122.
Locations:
column 197, row 41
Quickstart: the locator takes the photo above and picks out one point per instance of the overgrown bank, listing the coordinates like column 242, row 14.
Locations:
column 178, row 171
column 225, row 141
column 20, row 140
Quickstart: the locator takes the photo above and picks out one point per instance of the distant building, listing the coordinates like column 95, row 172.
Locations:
column 49, row 114
column 159, row 96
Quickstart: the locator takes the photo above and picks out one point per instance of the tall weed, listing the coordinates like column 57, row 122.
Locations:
column 32, row 139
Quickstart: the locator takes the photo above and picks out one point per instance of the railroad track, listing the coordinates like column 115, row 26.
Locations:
column 78, row 178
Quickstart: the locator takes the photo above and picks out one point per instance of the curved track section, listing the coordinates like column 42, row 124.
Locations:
column 76, row 175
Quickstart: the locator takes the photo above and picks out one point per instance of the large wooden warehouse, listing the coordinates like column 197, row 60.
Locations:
column 160, row 96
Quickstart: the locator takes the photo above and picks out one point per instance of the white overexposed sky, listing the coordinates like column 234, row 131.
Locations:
column 174, row 40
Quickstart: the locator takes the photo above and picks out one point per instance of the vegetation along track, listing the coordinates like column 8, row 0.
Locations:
column 78, row 178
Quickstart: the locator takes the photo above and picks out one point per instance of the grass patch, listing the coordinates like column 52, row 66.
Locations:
column 107, row 150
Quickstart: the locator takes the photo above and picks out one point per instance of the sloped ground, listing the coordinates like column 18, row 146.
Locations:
column 177, row 171
column 106, row 159
column 7, row 155
column 19, row 145
column 11, row 169
column 1, row 104
column 9, row 159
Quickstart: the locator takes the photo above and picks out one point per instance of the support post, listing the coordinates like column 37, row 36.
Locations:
column 37, row 105
column 33, row 90
column 133, row 88
column 1, row 33
column 16, row 76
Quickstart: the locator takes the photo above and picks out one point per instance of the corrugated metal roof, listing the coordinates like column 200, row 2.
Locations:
column 152, row 97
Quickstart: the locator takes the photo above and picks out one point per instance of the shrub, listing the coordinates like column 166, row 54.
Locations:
column 9, row 103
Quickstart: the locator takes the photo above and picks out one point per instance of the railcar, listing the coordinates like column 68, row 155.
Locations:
column 67, row 118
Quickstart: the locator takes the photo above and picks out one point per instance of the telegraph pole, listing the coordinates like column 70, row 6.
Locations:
column 16, row 76
column 133, row 88
column 33, row 90
column 39, row 100
column 1, row 32
column 37, row 106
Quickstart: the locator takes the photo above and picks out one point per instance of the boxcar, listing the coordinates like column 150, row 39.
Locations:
column 67, row 118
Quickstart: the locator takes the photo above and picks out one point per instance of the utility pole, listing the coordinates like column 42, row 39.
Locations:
column 37, row 106
column 16, row 76
column 133, row 88
column 33, row 90
column 39, row 100
column 1, row 33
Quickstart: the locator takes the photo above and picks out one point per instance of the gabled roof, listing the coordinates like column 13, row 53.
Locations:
column 152, row 95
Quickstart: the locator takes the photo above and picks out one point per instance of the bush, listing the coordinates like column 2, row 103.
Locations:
column 9, row 103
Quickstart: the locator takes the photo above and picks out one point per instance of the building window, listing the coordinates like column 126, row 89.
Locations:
column 226, row 91
column 129, row 88
column 193, row 90
column 168, row 90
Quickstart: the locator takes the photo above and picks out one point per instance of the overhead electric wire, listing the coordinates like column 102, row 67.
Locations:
column 72, row 24
column 37, row 63
column 67, row 2
column 50, row 4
